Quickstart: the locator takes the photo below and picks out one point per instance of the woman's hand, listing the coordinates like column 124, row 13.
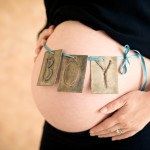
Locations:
column 42, row 39
column 131, row 113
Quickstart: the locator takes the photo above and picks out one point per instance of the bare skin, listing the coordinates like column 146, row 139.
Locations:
column 122, row 106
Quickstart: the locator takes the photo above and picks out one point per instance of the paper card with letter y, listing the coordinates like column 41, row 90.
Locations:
column 104, row 75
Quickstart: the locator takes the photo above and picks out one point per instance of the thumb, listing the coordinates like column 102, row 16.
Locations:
column 114, row 105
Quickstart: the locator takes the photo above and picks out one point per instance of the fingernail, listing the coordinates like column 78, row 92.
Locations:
column 113, row 139
column 99, row 136
column 92, row 132
column 104, row 110
column 51, row 27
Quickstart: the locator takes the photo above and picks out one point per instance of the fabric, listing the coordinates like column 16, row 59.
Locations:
column 126, row 21
column 53, row 138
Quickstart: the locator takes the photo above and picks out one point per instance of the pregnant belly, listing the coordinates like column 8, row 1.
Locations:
column 75, row 112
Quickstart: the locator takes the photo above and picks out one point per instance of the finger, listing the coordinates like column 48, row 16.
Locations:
column 114, row 105
column 51, row 27
column 106, row 124
column 111, row 134
column 41, row 43
column 124, row 136
column 46, row 33
column 39, row 46
column 37, row 51
column 43, row 34
column 42, row 38
column 111, row 129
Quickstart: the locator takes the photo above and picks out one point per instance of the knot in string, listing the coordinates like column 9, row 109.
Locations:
column 123, row 68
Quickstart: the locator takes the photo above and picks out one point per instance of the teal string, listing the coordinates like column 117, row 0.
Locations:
column 50, row 51
column 67, row 55
column 125, row 58
column 123, row 68
column 95, row 58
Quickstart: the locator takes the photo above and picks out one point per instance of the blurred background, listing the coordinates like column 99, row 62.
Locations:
column 20, row 122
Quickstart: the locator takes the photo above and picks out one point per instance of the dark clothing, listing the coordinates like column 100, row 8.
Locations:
column 53, row 138
column 126, row 21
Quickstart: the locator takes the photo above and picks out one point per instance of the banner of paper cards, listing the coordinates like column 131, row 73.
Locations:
column 104, row 78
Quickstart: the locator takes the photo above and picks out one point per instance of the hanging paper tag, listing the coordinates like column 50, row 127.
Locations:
column 72, row 74
column 104, row 76
column 50, row 67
